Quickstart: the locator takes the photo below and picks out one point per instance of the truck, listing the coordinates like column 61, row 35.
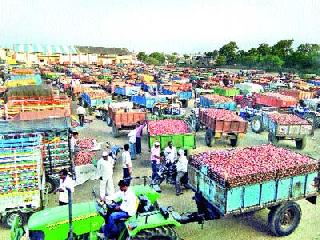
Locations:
column 217, row 126
column 296, row 130
column 21, row 176
column 278, row 192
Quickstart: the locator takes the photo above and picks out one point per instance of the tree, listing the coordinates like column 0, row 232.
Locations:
column 214, row 54
column 152, row 61
column 271, row 62
column 172, row 58
column 221, row 60
column 142, row 56
column 229, row 51
column 159, row 56
column 282, row 49
column 264, row 49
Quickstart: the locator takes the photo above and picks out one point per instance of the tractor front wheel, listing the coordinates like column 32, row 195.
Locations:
column 160, row 233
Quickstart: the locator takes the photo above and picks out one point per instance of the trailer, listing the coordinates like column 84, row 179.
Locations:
column 296, row 130
column 121, row 119
column 217, row 101
column 278, row 191
column 21, row 176
column 148, row 101
column 219, row 127
column 184, row 97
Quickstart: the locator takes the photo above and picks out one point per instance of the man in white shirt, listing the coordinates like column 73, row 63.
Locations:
column 170, row 153
column 126, row 209
column 73, row 142
column 66, row 182
column 132, row 143
column 126, row 162
column 182, row 171
column 81, row 111
column 105, row 172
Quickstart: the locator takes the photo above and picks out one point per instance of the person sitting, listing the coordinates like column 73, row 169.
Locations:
column 124, row 210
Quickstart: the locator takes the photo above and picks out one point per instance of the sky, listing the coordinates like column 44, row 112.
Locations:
column 183, row 26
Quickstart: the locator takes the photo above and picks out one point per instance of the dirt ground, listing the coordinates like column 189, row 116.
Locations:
column 241, row 228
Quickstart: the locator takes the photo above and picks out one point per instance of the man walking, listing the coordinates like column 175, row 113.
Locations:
column 182, row 171
column 81, row 111
column 155, row 159
column 170, row 153
column 132, row 143
column 105, row 172
column 139, row 130
column 126, row 162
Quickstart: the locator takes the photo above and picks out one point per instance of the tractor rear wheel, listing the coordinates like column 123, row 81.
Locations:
column 256, row 124
column 301, row 143
column 159, row 233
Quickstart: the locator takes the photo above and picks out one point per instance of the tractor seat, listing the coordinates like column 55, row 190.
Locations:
column 125, row 219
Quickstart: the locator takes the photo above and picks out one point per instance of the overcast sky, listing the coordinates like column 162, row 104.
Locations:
column 184, row 26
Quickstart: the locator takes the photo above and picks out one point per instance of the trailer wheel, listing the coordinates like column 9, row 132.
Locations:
column 284, row 219
column 51, row 184
column 272, row 138
column 234, row 141
column 301, row 143
column 159, row 233
column 115, row 131
column 256, row 124
column 109, row 121
column 208, row 137
column 10, row 217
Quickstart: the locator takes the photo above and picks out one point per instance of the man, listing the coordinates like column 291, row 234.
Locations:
column 81, row 111
column 170, row 153
column 139, row 130
column 73, row 142
column 126, row 162
column 182, row 171
column 65, row 182
column 126, row 209
column 155, row 159
column 105, row 171
column 132, row 143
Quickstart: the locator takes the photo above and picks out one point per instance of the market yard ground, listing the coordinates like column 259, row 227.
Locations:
column 240, row 227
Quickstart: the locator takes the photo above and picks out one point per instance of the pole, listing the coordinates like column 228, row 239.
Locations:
column 70, row 234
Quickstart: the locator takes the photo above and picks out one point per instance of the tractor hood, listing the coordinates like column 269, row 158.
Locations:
column 147, row 191
column 59, row 215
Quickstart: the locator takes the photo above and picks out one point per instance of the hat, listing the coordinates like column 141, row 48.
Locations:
column 157, row 144
column 105, row 154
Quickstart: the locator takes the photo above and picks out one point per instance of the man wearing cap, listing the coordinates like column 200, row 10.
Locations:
column 182, row 171
column 155, row 159
column 105, row 172
column 126, row 209
column 170, row 153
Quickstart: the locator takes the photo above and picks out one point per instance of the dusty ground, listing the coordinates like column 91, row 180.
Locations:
column 241, row 228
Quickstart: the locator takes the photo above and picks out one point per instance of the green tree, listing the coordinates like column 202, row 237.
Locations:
column 283, row 48
column 159, row 56
column 271, row 62
column 229, row 50
column 152, row 61
column 221, row 60
column 171, row 58
column 264, row 49
column 142, row 56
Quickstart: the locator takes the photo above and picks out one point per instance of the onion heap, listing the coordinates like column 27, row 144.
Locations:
column 238, row 167
column 287, row 119
column 167, row 126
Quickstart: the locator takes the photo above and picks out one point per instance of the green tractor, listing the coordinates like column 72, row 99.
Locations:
column 150, row 222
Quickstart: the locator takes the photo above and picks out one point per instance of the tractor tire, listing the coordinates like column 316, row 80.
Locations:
column 109, row 121
column 301, row 143
column 51, row 184
column 284, row 219
column 208, row 138
column 115, row 131
column 234, row 141
column 256, row 124
column 10, row 216
column 184, row 103
column 272, row 138
column 159, row 233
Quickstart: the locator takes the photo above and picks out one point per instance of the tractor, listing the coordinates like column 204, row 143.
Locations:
column 88, row 218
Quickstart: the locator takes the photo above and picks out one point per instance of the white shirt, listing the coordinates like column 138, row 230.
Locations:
column 73, row 143
column 67, row 183
column 182, row 164
column 81, row 110
column 132, row 136
column 126, row 160
column 105, row 168
column 170, row 154
column 129, row 201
